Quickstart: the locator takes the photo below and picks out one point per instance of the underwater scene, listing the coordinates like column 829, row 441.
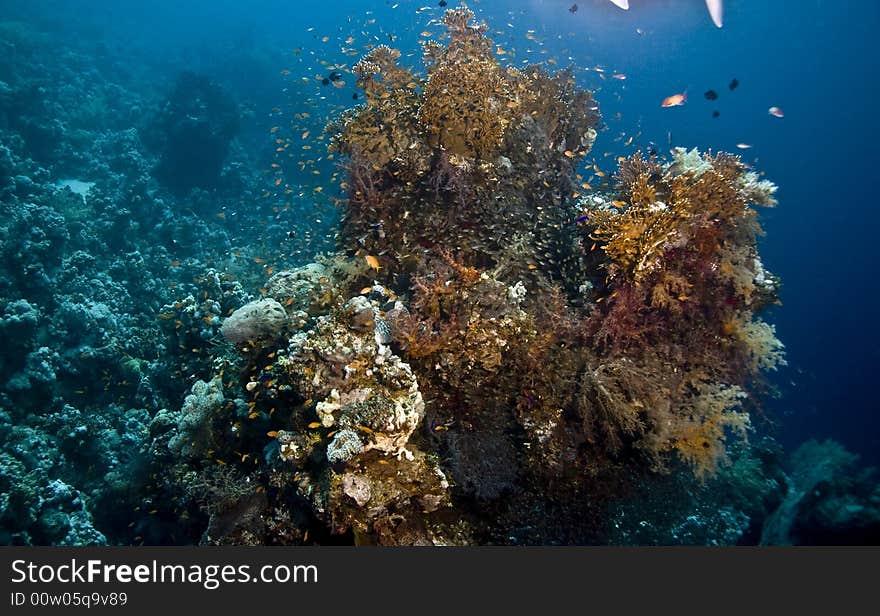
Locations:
column 400, row 272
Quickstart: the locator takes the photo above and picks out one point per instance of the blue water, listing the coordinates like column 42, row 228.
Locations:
column 806, row 57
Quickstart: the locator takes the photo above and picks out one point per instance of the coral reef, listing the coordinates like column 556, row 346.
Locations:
column 112, row 293
column 682, row 284
column 485, row 343
column 463, row 160
column 491, row 354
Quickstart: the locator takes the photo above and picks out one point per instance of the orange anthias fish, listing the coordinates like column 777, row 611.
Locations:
column 675, row 100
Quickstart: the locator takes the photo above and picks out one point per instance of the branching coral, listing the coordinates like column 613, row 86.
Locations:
column 469, row 99
column 464, row 322
column 683, row 282
column 383, row 129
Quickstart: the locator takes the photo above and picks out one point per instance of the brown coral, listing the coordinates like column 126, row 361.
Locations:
column 468, row 158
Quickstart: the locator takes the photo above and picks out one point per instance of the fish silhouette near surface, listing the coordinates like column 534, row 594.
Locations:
column 716, row 9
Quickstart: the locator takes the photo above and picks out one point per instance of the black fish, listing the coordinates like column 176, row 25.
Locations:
column 354, row 96
column 711, row 95
column 441, row 3
column 715, row 114
column 573, row 8
column 334, row 76
column 734, row 83
column 325, row 81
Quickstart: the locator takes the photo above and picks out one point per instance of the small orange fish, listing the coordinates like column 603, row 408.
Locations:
column 373, row 262
column 675, row 100
column 314, row 424
column 272, row 433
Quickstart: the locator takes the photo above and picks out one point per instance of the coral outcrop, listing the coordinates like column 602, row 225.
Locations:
column 485, row 341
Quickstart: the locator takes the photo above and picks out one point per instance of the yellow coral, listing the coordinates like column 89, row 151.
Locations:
column 469, row 98
column 636, row 239
column 711, row 414
column 689, row 205
column 384, row 128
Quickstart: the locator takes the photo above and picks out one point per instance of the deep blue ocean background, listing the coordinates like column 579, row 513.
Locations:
column 807, row 57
